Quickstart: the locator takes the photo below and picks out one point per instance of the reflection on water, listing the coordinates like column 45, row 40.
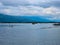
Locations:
column 28, row 34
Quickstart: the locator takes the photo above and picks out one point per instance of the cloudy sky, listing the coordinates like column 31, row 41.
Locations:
column 30, row 7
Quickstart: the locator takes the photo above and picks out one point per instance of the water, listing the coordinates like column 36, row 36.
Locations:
column 28, row 34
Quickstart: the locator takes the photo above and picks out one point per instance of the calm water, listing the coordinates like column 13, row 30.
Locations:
column 28, row 34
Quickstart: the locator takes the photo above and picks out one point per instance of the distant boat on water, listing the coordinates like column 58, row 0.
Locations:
column 57, row 24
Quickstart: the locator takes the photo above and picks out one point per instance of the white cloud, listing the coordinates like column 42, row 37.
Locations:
column 51, row 10
column 22, row 10
column 28, row 10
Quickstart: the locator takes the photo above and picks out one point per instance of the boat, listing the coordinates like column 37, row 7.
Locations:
column 57, row 24
column 34, row 23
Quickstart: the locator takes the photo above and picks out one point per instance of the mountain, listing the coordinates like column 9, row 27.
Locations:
column 57, row 20
column 22, row 19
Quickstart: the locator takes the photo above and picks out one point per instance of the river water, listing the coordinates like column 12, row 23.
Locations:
column 29, row 34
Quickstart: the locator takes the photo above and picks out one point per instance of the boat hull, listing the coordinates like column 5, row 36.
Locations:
column 57, row 24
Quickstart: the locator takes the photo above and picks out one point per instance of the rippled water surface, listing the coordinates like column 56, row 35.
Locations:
column 29, row 34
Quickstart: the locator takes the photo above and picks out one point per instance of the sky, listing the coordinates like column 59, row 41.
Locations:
column 30, row 7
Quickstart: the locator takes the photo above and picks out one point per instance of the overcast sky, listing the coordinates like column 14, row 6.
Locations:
column 30, row 7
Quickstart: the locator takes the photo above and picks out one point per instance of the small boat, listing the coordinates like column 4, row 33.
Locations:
column 34, row 23
column 57, row 24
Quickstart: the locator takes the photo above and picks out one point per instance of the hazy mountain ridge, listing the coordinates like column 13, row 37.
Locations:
column 22, row 19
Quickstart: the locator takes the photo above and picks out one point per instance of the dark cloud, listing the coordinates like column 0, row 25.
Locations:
column 46, row 4
column 55, row 3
